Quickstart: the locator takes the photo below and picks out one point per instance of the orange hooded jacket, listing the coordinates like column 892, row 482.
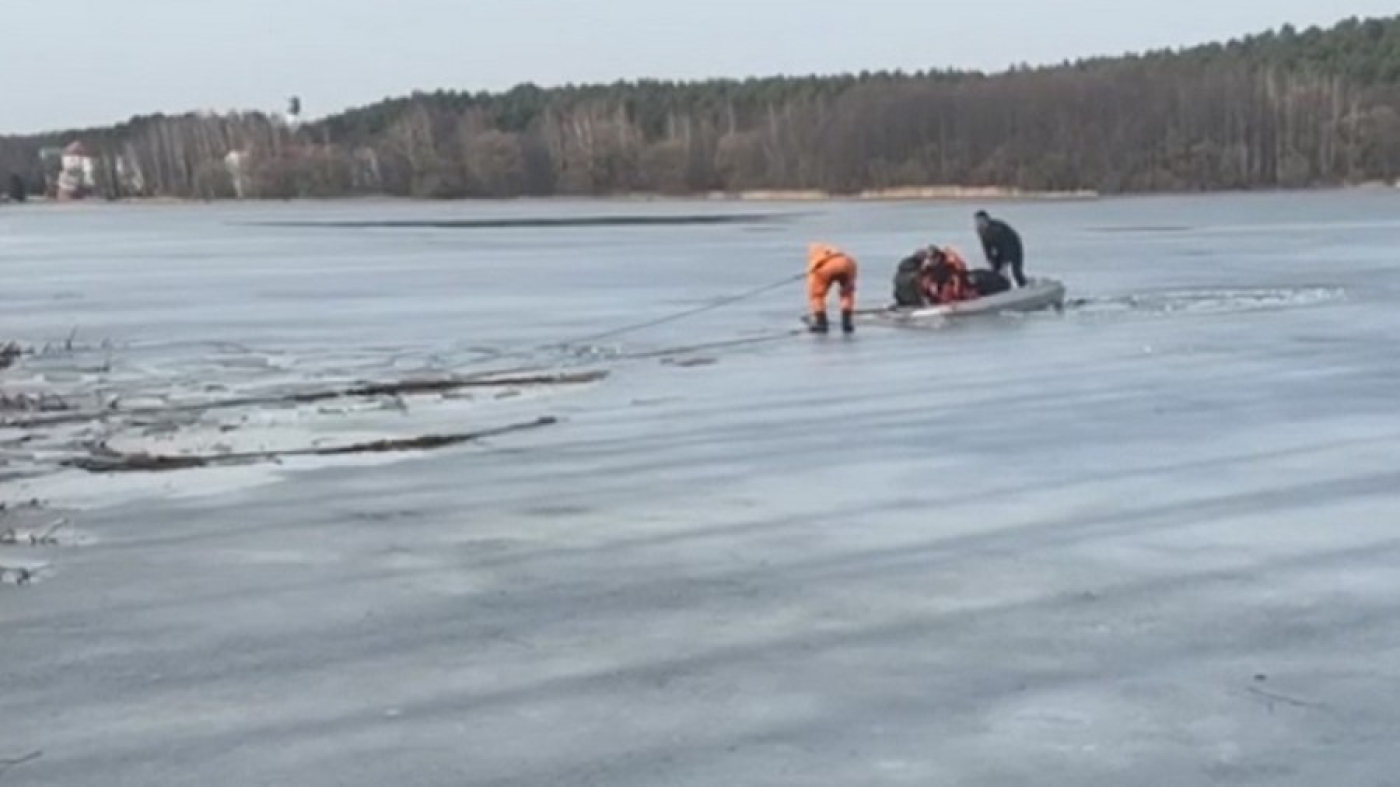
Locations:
column 828, row 266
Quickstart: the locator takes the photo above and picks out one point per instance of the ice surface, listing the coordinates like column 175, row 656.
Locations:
column 1150, row 540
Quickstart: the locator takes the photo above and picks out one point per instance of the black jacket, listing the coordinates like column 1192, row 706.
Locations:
column 908, row 290
column 1001, row 243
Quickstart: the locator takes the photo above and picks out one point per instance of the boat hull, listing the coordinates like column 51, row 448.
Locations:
column 1037, row 295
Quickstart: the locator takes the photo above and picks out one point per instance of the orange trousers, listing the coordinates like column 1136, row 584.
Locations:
column 840, row 270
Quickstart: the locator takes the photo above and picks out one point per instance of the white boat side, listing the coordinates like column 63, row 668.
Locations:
column 1037, row 295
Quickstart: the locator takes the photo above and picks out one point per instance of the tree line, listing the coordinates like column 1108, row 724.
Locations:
column 1286, row 108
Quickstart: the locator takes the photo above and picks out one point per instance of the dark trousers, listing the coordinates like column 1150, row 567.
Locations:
column 1017, row 267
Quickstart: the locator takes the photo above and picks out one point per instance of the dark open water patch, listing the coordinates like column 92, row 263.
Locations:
column 685, row 220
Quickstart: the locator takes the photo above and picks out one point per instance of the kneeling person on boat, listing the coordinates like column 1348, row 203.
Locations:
column 946, row 278
column 909, row 280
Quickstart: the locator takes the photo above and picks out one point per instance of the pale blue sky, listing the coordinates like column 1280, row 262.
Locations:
column 81, row 62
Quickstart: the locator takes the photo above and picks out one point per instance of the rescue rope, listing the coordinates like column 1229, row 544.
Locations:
column 525, row 354
column 639, row 355
column 711, row 306
column 718, row 345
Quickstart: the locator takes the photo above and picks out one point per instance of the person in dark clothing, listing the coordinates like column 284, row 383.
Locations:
column 1002, row 246
column 909, row 281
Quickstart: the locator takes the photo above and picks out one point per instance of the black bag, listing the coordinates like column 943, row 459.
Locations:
column 987, row 282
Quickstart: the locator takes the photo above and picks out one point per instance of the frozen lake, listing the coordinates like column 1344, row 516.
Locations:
column 1151, row 540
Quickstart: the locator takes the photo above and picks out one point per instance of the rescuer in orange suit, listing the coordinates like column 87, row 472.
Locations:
column 828, row 266
column 946, row 278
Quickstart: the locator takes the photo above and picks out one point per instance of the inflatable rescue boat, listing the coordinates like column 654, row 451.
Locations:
column 1037, row 295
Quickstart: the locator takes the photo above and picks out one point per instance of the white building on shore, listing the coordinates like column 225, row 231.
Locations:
column 71, row 171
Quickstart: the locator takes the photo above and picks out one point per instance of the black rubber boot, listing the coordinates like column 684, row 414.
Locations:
column 818, row 323
column 848, row 322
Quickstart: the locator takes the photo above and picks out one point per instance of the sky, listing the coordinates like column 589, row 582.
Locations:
column 94, row 62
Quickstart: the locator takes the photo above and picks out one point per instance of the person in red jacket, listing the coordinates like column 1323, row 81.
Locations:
column 945, row 277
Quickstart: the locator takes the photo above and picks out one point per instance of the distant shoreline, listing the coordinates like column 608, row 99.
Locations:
column 928, row 194
column 902, row 194
column 905, row 194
